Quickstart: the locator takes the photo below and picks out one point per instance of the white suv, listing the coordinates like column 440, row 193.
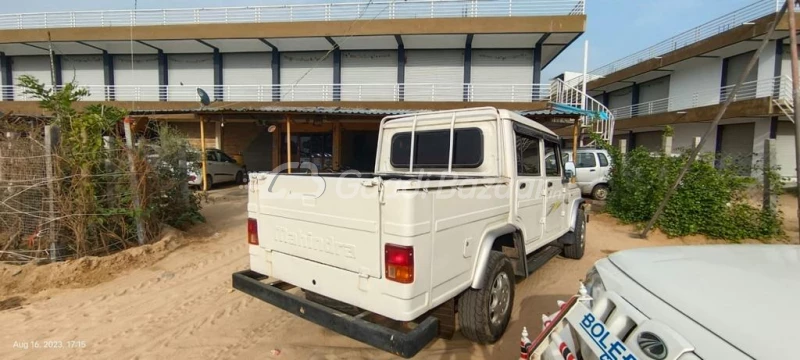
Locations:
column 593, row 169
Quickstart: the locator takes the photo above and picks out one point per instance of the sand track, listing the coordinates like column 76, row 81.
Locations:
column 178, row 304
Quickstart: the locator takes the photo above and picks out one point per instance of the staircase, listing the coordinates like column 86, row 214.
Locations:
column 782, row 98
column 596, row 117
column 786, row 106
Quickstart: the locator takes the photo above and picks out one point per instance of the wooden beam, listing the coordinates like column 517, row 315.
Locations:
column 276, row 147
column 337, row 145
column 203, row 152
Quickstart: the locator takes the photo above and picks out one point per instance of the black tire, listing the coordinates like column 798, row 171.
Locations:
column 575, row 243
column 333, row 304
column 239, row 179
column 474, row 315
column 209, row 182
column 600, row 192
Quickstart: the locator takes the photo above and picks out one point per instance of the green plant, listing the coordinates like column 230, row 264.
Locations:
column 95, row 192
column 710, row 201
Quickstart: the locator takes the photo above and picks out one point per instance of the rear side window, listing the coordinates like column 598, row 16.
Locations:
column 603, row 159
column 528, row 161
column 431, row 148
column 586, row 160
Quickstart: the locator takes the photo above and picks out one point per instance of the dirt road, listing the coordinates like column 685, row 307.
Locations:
column 183, row 307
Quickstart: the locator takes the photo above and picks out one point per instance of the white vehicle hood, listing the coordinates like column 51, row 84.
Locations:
column 748, row 295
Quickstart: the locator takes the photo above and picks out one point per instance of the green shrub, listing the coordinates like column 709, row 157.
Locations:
column 710, row 201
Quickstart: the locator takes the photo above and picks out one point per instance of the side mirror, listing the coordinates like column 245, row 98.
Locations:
column 569, row 169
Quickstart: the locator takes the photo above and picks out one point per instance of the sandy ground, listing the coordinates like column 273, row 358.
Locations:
column 178, row 303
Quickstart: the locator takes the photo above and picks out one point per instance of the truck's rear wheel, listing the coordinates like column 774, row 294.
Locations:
column 483, row 314
column 575, row 244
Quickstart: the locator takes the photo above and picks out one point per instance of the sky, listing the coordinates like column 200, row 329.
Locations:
column 615, row 28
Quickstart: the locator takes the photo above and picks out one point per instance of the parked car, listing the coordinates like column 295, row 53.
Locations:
column 461, row 206
column 220, row 168
column 681, row 302
column 593, row 169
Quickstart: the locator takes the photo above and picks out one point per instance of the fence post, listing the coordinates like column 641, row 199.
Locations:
column 51, row 139
column 137, row 203
column 770, row 163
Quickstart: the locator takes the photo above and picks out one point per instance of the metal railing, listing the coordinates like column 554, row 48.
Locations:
column 602, row 120
column 409, row 9
column 310, row 92
column 778, row 87
column 740, row 17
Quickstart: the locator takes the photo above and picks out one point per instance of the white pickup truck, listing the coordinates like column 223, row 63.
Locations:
column 461, row 204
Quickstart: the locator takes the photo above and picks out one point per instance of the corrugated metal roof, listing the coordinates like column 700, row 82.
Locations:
column 550, row 112
column 279, row 110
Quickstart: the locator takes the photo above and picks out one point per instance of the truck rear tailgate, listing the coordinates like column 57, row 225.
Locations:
column 329, row 220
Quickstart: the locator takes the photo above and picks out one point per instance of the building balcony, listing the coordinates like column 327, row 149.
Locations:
column 762, row 98
column 374, row 10
column 747, row 24
column 311, row 92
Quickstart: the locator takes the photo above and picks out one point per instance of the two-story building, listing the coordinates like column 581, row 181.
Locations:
column 332, row 70
column 683, row 81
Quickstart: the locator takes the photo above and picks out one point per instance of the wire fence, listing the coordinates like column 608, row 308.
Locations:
column 57, row 203
column 26, row 204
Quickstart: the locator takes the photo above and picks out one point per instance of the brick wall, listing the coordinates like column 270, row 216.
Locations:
column 253, row 142
column 192, row 132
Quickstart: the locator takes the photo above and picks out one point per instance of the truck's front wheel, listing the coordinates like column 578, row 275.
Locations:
column 484, row 313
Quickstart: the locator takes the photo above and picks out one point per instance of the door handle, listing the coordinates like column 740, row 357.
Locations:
column 549, row 184
column 592, row 170
column 522, row 185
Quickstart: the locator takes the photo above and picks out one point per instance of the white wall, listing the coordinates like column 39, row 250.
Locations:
column 502, row 75
column 766, row 70
column 306, row 76
column 785, row 146
column 434, row 75
column 85, row 71
column 695, row 82
column 36, row 66
column 684, row 135
column 187, row 72
column 254, row 70
column 369, row 75
column 137, row 80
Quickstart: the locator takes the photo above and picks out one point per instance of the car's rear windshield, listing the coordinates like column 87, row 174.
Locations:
column 432, row 147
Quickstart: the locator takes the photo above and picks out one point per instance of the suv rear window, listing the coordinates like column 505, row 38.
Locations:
column 603, row 159
column 431, row 148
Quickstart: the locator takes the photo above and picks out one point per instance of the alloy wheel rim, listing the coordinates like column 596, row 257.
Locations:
column 500, row 299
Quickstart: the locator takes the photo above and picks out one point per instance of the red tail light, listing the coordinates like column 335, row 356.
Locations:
column 252, row 231
column 400, row 263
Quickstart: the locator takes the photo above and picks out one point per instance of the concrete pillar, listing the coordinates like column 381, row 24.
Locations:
column 623, row 146
column 666, row 144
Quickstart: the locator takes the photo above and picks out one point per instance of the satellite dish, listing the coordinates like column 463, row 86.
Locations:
column 204, row 99
column 272, row 128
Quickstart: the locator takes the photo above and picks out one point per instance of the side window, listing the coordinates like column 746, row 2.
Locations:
column 552, row 166
column 528, row 159
column 603, row 159
column 211, row 156
column 225, row 158
column 586, row 160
